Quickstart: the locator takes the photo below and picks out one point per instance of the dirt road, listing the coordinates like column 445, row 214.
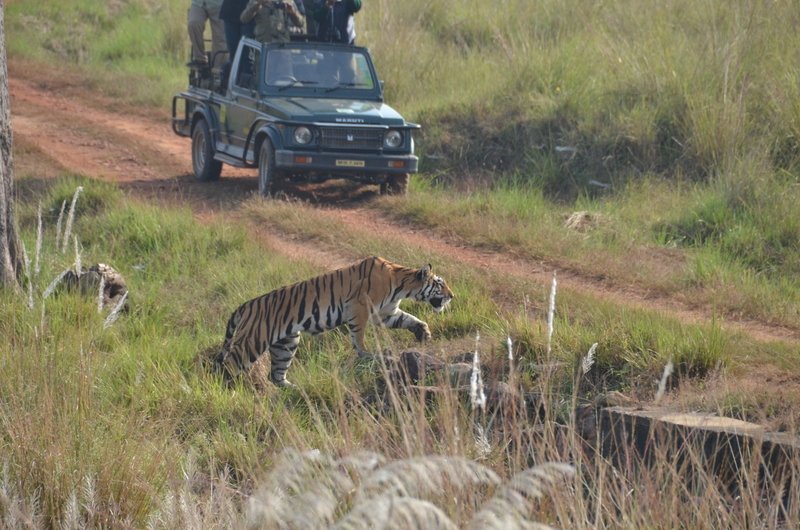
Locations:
column 57, row 121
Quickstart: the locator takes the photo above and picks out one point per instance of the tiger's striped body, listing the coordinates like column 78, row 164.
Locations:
column 370, row 289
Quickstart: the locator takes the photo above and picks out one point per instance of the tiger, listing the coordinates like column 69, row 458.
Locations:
column 368, row 290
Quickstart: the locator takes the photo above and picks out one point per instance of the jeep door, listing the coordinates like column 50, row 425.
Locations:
column 241, row 110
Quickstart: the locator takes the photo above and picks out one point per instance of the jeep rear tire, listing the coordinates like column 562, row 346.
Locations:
column 203, row 163
column 395, row 184
column 267, row 174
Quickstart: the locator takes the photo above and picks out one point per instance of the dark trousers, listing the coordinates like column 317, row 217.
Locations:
column 234, row 31
column 311, row 24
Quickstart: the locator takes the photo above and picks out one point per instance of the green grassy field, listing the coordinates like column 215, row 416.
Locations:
column 105, row 426
column 680, row 122
column 674, row 126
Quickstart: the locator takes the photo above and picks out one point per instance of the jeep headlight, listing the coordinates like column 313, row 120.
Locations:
column 303, row 135
column 393, row 139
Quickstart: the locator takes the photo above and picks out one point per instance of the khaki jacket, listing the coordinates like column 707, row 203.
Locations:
column 272, row 22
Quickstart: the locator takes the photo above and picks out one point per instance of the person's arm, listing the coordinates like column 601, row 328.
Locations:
column 250, row 11
column 296, row 13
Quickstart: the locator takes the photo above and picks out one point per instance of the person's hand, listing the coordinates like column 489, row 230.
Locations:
column 329, row 3
column 289, row 7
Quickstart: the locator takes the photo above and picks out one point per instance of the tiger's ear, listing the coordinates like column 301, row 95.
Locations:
column 424, row 272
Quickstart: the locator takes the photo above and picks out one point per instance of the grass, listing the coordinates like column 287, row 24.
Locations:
column 133, row 49
column 635, row 343
column 622, row 83
column 124, row 426
column 735, row 255
column 536, row 113
column 675, row 126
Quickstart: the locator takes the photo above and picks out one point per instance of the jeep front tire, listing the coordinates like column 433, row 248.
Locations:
column 266, row 168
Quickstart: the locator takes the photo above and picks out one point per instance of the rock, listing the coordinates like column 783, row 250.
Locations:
column 500, row 396
column 459, row 374
column 582, row 221
column 413, row 367
column 88, row 283
column 586, row 425
column 704, row 449
column 613, row 399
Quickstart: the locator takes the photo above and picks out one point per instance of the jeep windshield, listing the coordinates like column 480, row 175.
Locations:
column 329, row 69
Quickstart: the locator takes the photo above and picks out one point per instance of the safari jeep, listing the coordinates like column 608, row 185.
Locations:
column 296, row 110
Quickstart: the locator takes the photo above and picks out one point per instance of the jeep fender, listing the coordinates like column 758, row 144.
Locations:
column 257, row 133
column 205, row 113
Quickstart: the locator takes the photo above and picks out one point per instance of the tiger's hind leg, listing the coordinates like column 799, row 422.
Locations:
column 238, row 356
column 281, row 356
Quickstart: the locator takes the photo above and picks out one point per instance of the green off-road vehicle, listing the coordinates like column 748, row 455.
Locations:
column 296, row 110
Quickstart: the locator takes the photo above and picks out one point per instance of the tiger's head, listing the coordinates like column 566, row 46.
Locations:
column 433, row 289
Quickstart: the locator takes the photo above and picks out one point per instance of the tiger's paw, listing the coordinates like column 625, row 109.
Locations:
column 422, row 332
column 284, row 383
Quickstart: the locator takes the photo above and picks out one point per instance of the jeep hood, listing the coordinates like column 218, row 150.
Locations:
column 335, row 111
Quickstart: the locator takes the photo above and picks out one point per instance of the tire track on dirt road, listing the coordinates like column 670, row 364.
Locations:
column 80, row 133
column 142, row 155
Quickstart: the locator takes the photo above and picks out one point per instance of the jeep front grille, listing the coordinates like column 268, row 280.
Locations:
column 351, row 138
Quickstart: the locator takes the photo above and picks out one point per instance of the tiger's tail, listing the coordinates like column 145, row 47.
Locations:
column 230, row 332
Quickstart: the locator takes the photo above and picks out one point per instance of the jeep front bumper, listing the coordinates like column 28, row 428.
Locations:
column 344, row 163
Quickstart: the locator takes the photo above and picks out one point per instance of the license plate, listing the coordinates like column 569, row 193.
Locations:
column 350, row 163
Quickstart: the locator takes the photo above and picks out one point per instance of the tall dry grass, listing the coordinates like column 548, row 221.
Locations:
column 121, row 427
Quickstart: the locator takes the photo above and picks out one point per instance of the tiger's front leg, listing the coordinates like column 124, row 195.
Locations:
column 401, row 319
column 357, row 338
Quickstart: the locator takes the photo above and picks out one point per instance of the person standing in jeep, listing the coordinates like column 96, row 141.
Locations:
column 274, row 18
column 311, row 23
column 201, row 11
column 335, row 21
column 231, row 12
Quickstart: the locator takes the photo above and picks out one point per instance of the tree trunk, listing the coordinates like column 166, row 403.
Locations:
column 10, row 248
